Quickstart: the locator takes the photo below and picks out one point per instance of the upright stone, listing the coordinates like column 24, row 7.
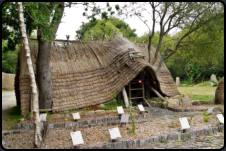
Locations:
column 177, row 81
column 185, row 100
column 219, row 93
column 214, row 78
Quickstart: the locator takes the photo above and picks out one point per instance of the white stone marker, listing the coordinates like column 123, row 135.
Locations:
column 42, row 125
column 177, row 81
column 76, row 138
column 120, row 110
column 76, row 116
column 184, row 123
column 124, row 118
column 220, row 117
column 141, row 108
column 43, row 117
column 115, row 134
column 210, row 110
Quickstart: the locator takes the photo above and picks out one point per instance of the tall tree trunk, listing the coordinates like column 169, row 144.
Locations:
column 44, row 73
column 43, row 60
column 38, row 137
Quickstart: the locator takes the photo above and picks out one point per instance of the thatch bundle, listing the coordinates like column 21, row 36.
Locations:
column 86, row 73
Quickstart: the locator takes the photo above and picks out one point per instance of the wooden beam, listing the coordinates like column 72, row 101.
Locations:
column 125, row 97
column 157, row 93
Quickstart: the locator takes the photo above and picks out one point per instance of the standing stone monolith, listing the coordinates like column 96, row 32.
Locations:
column 177, row 81
column 214, row 78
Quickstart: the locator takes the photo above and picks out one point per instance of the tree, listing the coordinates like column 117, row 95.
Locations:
column 38, row 137
column 186, row 16
column 10, row 24
column 97, row 28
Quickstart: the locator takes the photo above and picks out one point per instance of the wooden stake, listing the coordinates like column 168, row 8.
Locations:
column 125, row 97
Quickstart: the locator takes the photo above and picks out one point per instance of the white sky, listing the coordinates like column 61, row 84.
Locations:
column 73, row 20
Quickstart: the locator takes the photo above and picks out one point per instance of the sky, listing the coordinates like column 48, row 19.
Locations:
column 73, row 20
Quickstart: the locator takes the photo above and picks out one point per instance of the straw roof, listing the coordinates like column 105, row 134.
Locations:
column 86, row 73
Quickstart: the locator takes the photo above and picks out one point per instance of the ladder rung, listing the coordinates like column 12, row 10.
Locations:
column 137, row 89
column 137, row 98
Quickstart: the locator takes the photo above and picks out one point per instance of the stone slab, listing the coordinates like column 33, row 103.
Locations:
column 118, row 145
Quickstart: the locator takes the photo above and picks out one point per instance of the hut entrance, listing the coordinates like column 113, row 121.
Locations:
column 138, row 89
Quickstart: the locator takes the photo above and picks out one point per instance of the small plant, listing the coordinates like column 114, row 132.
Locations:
column 65, row 119
column 206, row 116
column 171, row 126
column 209, row 140
column 71, row 110
column 9, row 145
column 189, row 120
column 132, row 131
column 13, row 138
column 106, row 137
column 48, row 113
column 182, row 136
column 27, row 114
column 101, row 126
column 163, row 140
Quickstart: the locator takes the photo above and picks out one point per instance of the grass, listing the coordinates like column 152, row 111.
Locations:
column 204, row 93
column 187, row 82
column 113, row 105
column 14, row 116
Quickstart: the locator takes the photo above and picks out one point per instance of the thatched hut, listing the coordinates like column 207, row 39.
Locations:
column 89, row 73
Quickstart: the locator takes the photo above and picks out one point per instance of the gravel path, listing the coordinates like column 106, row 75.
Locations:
column 215, row 141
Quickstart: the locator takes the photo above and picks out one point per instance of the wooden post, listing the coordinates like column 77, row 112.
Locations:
column 67, row 36
column 125, row 97
column 54, row 40
column 158, row 94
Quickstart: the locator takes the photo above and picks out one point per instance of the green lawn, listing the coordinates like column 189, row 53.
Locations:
column 198, row 93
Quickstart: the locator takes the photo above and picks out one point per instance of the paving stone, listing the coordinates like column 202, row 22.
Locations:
column 193, row 134
column 136, row 143
column 129, row 144
column 151, row 140
column 109, row 145
column 146, row 141
column 210, row 131
column 94, row 121
column 198, row 132
column 170, row 137
column 215, row 130
column 179, row 136
column 124, row 145
column 118, row 145
column 105, row 119
column 156, row 139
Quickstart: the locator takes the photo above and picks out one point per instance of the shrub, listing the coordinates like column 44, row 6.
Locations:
column 206, row 116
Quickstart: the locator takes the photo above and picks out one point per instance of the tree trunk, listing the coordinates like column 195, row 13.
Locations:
column 38, row 137
column 17, row 81
column 44, row 74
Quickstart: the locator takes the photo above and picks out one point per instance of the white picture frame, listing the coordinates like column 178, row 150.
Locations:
column 141, row 108
column 43, row 117
column 114, row 133
column 220, row 117
column 77, row 138
column 120, row 110
column 76, row 116
column 184, row 123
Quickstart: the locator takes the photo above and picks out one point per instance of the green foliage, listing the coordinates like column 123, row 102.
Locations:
column 113, row 105
column 9, row 62
column 14, row 116
column 182, row 136
column 132, row 131
column 206, row 116
column 96, row 28
column 163, row 140
column 209, row 140
column 106, row 137
column 27, row 114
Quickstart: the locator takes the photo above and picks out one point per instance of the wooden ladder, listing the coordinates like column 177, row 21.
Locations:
column 136, row 89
